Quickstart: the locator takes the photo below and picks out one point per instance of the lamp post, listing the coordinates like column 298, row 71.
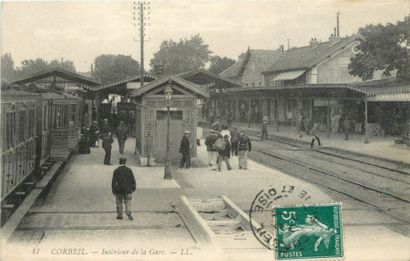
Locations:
column 168, row 95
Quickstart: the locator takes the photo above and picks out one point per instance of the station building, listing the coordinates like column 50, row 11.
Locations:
column 312, row 82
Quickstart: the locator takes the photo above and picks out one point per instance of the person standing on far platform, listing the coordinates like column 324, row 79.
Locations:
column 185, row 150
column 122, row 132
column 244, row 146
column 234, row 140
column 314, row 133
column 107, row 141
column 122, row 185
column 264, row 130
column 224, row 155
column 346, row 127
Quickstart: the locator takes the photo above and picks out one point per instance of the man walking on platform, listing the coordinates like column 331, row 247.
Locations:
column 213, row 153
column 244, row 146
column 107, row 141
column 185, row 150
column 122, row 132
column 122, row 185
column 224, row 155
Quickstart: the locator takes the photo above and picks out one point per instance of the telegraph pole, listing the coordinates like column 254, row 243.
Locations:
column 143, row 15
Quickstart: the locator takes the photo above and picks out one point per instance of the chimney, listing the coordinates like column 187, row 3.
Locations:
column 337, row 34
column 313, row 42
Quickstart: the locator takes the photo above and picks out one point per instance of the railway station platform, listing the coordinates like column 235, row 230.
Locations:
column 79, row 213
column 378, row 147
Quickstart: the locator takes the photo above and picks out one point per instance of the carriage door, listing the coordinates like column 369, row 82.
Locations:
column 175, row 134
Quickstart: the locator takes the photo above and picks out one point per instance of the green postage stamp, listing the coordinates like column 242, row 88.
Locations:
column 309, row 232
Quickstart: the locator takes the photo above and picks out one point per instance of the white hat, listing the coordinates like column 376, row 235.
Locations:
column 187, row 132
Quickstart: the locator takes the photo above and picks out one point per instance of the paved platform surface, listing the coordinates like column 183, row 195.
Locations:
column 79, row 212
column 381, row 147
column 368, row 234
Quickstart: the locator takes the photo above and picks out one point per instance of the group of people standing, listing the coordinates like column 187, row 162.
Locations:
column 223, row 143
column 105, row 133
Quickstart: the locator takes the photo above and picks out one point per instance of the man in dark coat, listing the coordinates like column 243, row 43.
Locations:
column 122, row 132
column 122, row 185
column 234, row 140
column 185, row 150
column 106, row 127
column 225, row 154
column 244, row 146
column 346, row 127
column 107, row 140
column 93, row 134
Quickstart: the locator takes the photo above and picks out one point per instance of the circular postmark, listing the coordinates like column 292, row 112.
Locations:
column 262, row 214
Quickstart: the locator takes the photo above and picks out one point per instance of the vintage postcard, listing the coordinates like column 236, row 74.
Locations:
column 205, row 130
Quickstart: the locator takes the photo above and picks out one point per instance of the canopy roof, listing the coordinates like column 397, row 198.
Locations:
column 288, row 75
column 57, row 72
column 119, row 84
column 191, row 87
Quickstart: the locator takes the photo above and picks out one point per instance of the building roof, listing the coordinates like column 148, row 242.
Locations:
column 263, row 60
column 120, row 83
column 190, row 76
column 308, row 56
column 58, row 72
column 381, row 87
column 191, row 87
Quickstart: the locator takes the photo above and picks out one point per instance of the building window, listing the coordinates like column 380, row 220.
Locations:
column 260, row 83
column 253, row 84
column 344, row 62
column 173, row 115
column 246, row 84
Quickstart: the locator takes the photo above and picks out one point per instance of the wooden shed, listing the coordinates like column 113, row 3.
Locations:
column 151, row 117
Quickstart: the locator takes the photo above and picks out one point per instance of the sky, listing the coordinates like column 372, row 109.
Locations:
column 81, row 30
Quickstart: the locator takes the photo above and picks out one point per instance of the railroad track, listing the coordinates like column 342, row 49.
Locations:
column 389, row 202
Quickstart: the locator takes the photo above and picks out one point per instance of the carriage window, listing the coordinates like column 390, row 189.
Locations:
column 59, row 116
column 10, row 128
column 45, row 117
column 22, row 125
column 31, row 126
column 174, row 115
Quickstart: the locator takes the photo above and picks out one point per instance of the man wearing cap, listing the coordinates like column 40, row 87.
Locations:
column 185, row 150
column 244, row 145
column 122, row 185
column 107, row 140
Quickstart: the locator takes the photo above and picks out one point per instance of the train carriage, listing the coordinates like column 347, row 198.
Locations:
column 18, row 155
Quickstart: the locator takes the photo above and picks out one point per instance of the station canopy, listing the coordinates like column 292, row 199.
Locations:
column 121, row 87
column 54, row 75
column 291, row 75
column 389, row 90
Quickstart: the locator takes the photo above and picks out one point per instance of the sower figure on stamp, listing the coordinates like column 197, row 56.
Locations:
column 225, row 154
column 107, row 141
column 185, row 150
column 122, row 132
column 244, row 146
column 123, row 184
